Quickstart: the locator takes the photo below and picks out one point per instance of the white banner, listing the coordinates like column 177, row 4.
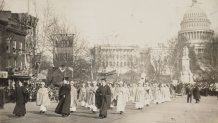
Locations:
column 3, row 74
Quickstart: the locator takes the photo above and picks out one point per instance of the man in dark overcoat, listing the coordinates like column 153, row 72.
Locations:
column 63, row 106
column 103, row 99
column 189, row 92
column 21, row 95
column 196, row 94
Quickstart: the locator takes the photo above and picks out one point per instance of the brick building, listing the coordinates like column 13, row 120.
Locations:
column 17, row 42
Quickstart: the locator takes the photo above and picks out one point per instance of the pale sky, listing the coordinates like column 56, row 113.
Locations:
column 124, row 22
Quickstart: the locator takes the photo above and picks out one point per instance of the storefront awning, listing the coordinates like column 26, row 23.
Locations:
column 16, row 77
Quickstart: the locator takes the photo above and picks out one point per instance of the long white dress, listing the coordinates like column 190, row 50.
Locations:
column 157, row 95
column 91, row 100
column 88, row 93
column 121, row 103
column 167, row 93
column 140, row 97
column 43, row 99
column 126, row 94
column 147, row 95
column 73, row 103
column 113, row 98
column 132, row 94
column 162, row 94
column 82, row 96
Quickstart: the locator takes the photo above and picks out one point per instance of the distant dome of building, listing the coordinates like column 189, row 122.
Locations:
column 195, row 26
column 195, row 19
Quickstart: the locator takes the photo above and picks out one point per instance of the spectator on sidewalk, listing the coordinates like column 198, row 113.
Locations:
column 196, row 94
column 189, row 92
column 21, row 99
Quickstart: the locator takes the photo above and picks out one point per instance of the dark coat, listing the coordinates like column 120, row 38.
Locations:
column 63, row 106
column 103, row 99
column 189, row 91
column 196, row 93
column 21, row 99
column 2, row 97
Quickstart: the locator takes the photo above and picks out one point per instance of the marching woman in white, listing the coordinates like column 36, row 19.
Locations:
column 93, row 108
column 147, row 94
column 151, row 97
column 42, row 98
column 167, row 93
column 161, row 93
column 119, row 94
column 157, row 94
column 73, row 93
column 140, row 96
column 113, row 98
column 126, row 93
column 88, row 92
column 133, row 92
column 82, row 95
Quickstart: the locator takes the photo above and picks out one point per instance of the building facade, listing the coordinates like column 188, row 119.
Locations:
column 119, row 58
column 123, row 59
column 17, row 41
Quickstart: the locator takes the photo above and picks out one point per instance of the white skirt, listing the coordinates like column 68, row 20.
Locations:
column 139, row 105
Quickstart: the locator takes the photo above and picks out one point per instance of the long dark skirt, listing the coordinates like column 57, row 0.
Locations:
column 103, row 110
column 63, row 106
column 19, row 110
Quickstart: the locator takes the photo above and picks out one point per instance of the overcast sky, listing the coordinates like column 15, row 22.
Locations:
column 124, row 22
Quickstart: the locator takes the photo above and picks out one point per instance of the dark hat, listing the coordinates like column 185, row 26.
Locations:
column 66, row 78
column 104, row 79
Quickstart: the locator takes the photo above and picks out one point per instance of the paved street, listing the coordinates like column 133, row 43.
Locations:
column 177, row 111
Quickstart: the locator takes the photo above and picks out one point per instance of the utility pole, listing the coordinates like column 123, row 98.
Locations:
column 28, row 6
column 2, row 5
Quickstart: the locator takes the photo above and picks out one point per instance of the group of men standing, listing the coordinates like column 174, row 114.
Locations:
column 193, row 91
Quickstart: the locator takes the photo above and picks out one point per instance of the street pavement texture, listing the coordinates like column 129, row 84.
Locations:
column 176, row 111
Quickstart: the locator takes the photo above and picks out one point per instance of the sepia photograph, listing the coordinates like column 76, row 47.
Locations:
column 108, row 61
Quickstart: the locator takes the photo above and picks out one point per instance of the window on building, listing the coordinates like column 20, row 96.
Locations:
column 14, row 47
column 8, row 47
column 15, row 62
column 20, row 47
column 21, row 65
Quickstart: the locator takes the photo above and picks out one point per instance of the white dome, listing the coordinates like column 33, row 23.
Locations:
column 195, row 26
column 195, row 19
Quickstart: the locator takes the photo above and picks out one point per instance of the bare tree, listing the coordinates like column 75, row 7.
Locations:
column 2, row 4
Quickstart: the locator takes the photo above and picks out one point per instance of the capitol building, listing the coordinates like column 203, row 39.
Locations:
column 196, row 34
